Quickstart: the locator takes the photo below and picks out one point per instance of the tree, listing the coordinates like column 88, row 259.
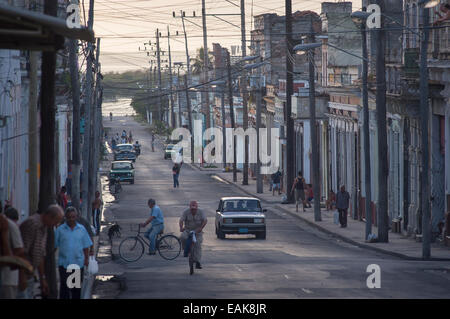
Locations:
column 198, row 61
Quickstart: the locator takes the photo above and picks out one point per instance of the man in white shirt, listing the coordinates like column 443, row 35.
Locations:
column 9, row 277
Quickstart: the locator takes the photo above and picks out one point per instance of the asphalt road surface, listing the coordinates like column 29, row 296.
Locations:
column 295, row 261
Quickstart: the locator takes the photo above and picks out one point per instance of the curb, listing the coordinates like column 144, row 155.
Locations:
column 343, row 238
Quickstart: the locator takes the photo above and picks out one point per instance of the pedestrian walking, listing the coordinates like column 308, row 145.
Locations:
column 193, row 219
column 299, row 186
column 9, row 278
column 153, row 142
column 113, row 143
column 117, row 138
column 157, row 220
column 130, row 138
column 73, row 243
column 34, row 234
column 96, row 210
column 331, row 202
column 276, row 182
column 62, row 197
column 309, row 196
column 176, row 173
column 342, row 204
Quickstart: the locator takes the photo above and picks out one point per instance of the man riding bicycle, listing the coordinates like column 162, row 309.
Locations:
column 193, row 219
column 157, row 220
column 137, row 147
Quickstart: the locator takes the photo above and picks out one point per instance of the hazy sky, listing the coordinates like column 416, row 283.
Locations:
column 124, row 26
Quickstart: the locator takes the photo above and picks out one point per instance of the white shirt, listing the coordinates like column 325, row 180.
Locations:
column 11, row 277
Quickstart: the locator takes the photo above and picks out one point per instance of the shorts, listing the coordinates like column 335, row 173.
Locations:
column 299, row 194
column 276, row 185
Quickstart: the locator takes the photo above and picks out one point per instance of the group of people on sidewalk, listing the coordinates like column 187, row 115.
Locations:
column 192, row 219
column 23, row 249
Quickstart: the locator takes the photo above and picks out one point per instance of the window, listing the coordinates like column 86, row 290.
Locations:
column 240, row 205
column 122, row 166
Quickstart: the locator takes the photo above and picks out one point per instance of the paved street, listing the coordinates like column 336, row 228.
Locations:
column 295, row 261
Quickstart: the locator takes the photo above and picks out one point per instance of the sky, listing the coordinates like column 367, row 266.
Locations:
column 125, row 25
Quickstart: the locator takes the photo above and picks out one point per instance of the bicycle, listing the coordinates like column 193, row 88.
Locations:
column 114, row 186
column 132, row 248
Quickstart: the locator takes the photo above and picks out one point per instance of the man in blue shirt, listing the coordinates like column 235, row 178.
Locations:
column 157, row 220
column 73, row 242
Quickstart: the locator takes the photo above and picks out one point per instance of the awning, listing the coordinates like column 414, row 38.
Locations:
column 22, row 29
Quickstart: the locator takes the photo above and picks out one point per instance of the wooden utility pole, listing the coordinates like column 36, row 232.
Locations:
column 86, row 212
column 425, row 118
column 158, row 54
column 290, row 152
column 48, row 155
column 244, row 96
column 97, row 124
column 259, row 181
column 233, row 124
column 172, row 115
column 206, row 67
column 75, row 84
column 188, row 104
column 382, row 207
column 32, row 128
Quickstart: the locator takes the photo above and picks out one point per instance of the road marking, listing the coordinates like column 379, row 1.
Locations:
column 307, row 291
column 286, row 276
column 239, row 269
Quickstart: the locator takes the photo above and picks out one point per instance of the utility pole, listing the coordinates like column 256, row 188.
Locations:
column 75, row 84
column 188, row 103
column 186, row 44
column 315, row 155
column 206, row 66
column 424, row 114
column 244, row 97
column 259, row 182
column 158, row 53
column 383, row 220
column 86, row 213
column 172, row 116
column 290, row 155
column 365, row 96
column 224, row 127
column 178, row 98
column 32, row 128
column 48, row 155
column 97, row 123
column 233, row 124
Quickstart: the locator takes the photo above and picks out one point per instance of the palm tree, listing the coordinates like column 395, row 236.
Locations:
column 198, row 61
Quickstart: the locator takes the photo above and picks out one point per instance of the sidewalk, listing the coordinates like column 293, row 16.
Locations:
column 399, row 245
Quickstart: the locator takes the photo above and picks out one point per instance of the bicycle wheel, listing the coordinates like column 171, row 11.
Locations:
column 169, row 247
column 131, row 249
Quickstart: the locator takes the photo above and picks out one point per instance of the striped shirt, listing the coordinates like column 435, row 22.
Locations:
column 34, row 235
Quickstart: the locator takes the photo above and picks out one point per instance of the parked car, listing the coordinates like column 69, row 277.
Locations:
column 240, row 215
column 172, row 148
column 122, row 169
column 125, row 152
